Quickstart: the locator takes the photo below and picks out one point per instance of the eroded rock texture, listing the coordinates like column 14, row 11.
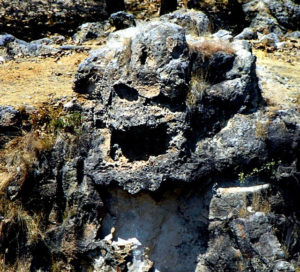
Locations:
column 157, row 100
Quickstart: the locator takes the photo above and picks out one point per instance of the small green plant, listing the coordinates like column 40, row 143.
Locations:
column 268, row 168
column 58, row 123
column 68, row 123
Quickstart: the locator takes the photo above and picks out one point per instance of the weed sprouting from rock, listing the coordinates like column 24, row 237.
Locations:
column 69, row 123
column 269, row 169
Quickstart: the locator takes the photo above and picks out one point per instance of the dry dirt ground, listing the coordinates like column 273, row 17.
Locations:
column 279, row 76
column 34, row 80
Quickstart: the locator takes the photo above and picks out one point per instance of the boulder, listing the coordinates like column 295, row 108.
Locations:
column 121, row 20
column 242, row 233
column 88, row 31
column 265, row 23
column 223, row 34
column 137, row 63
column 9, row 117
column 287, row 13
column 272, row 16
column 269, row 40
column 13, row 47
column 223, row 14
column 54, row 39
column 151, row 72
column 247, row 34
column 293, row 35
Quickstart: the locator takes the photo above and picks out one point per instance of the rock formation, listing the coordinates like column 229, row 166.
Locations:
column 32, row 19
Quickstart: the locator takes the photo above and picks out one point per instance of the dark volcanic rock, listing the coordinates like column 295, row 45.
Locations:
column 151, row 62
column 222, row 14
column 272, row 16
column 287, row 13
column 88, row 31
column 13, row 47
column 121, row 20
column 149, row 72
column 293, row 35
column 9, row 117
column 265, row 23
column 32, row 19
column 247, row 34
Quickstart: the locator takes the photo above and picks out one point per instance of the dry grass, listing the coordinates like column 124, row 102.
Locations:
column 215, row 2
column 17, row 160
column 199, row 82
column 19, row 156
column 209, row 47
column 14, row 213
column 260, row 203
column 198, row 86
column 20, row 266
column 35, row 80
column 261, row 129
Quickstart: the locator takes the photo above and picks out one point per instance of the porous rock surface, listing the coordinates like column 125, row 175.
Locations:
column 152, row 112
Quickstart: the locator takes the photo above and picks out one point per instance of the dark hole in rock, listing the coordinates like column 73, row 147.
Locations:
column 144, row 56
column 91, row 35
column 41, row 257
column 12, row 240
column 80, row 171
column 100, row 124
column 139, row 143
column 177, row 51
column 126, row 92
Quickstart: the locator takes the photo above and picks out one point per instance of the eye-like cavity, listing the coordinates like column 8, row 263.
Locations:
column 139, row 143
column 143, row 56
column 126, row 92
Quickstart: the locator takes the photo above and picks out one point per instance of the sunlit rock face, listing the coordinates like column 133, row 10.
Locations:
column 156, row 98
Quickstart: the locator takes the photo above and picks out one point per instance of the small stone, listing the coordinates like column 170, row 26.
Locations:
column 247, row 34
column 223, row 35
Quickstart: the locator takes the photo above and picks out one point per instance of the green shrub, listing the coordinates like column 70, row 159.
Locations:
column 267, row 168
column 69, row 123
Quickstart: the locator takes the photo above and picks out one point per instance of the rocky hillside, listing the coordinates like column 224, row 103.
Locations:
column 139, row 142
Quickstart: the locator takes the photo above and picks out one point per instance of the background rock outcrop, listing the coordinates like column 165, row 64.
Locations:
column 33, row 19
